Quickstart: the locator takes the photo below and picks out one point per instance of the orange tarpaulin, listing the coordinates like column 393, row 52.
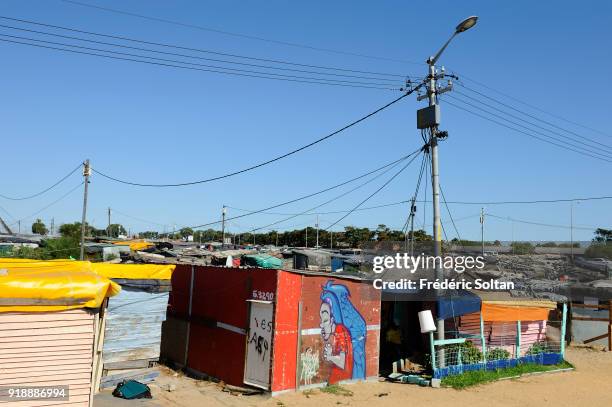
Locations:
column 503, row 313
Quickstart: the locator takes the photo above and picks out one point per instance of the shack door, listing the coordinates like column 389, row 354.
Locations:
column 259, row 344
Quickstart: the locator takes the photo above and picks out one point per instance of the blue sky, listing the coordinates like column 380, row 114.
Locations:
column 154, row 124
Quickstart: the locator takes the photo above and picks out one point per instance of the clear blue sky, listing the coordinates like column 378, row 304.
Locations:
column 155, row 124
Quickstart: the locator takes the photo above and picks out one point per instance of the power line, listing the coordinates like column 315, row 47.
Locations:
column 308, row 195
column 231, row 174
column 524, row 132
column 394, row 80
column 599, row 144
column 207, row 68
column 534, row 107
column 372, row 194
column 49, row 205
column 588, row 149
column 22, row 198
column 540, row 224
column 200, row 50
column 233, row 34
column 338, row 196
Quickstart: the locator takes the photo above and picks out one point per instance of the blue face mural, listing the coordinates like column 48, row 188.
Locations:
column 344, row 332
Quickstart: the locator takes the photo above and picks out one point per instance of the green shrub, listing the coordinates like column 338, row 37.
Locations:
column 538, row 348
column 498, row 354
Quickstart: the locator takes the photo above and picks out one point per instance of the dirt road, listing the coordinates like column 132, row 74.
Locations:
column 589, row 385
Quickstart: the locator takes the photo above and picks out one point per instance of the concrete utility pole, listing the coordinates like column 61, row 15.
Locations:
column 223, row 211
column 86, row 174
column 307, row 237
column 482, row 218
column 317, row 246
column 331, row 239
column 413, row 213
column 430, row 118
column 108, row 229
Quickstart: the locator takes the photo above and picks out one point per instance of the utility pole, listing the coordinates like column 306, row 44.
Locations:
column 52, row 226
column 277, row 238
column 86, row 174
column 482, row 218
column 331, row 239
column 412, row 215
column 307, row 237
column 429, row 118
column 317, row 246
column 108, row 230
column 223, row 226
column 19, row 227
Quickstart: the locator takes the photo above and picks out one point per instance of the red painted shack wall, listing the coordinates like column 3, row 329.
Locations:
column 288, row 293
column 220, row 296
column 364, row 298
column 178, row 301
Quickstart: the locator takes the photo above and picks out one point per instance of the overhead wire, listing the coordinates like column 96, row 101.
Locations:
column 598, row 144
column 200, row 50
column 264, row 163
column 524, row 132
column 414, row 155
column 251, row 37
column 225, row 61
column 533, row 106
column 581, row 147
column 64, row 196
column 191, row 65
column 309, row 195
column 372, row 194
column 23, row 198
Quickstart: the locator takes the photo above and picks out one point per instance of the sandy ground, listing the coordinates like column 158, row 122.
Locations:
column 589, row 385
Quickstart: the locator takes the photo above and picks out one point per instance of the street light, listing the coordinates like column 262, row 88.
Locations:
column 432, row 95
column 461, row 27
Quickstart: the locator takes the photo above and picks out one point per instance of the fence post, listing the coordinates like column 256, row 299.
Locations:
column 610, row 326
column 482, row 339
column 433, row 352
column 563, row 325
column 518, row 339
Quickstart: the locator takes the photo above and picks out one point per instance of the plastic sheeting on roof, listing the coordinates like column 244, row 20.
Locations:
column 263, row 260
column 459, row 303
column 135, row 245
column 44, row 290
column 134, row 271
column 108, row 270
column 497, row 312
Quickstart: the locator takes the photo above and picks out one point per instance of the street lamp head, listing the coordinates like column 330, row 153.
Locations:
column 466, row 24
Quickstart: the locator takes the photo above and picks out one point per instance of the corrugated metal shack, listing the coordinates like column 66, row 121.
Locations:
column 50, row 315
column 272, row 329
column 133, row 321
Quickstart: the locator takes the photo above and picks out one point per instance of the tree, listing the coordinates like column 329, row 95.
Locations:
column 522, row 248
column 116, row 229
column 39, row 228
column 603, row 235
column 184, row 232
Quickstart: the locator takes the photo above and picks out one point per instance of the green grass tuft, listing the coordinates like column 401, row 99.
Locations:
column 475, row 377
column 337, row 390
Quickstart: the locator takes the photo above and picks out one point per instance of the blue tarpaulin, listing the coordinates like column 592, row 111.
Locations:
column 458, row 303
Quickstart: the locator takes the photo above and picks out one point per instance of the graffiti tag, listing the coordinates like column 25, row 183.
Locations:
column 310, row 365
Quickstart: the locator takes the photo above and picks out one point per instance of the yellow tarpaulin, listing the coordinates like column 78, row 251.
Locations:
column 43, row 290
column 135, row 245
column 134, row 271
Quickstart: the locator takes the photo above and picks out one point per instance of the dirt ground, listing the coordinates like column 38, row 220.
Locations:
column 589, row 385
